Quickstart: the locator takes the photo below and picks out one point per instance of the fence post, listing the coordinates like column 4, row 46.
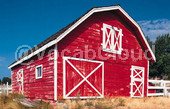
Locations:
column 164, row 88
column 7, row 88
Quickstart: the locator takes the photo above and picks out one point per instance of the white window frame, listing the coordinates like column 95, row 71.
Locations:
column 112, row 36
column 36, row 72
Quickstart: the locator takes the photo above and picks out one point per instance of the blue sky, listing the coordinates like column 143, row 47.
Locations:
column 28, row 22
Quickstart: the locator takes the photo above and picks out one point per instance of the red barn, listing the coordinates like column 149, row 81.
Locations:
column 103, row 53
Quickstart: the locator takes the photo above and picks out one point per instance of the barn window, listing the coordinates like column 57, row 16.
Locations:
column 112, row 39
column 38, row 72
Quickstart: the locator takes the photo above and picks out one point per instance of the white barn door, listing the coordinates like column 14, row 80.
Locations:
column 137, row 81
column 82, row 78
column 20, row 80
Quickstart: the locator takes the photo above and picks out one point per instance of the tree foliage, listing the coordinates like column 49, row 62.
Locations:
column 5, row 80
column 161, row 68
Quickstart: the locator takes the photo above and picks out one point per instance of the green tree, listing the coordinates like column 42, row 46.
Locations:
column 5, row 80
column 0, row 81
column 161, row 68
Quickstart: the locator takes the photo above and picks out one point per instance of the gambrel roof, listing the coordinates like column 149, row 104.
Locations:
column 63, row 32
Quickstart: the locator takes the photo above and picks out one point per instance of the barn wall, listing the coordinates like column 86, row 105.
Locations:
column 117, row 71
column 37, row 88
column 86, row 35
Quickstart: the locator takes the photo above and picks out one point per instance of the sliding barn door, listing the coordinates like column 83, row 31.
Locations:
column 137, row 81
column 83, row 78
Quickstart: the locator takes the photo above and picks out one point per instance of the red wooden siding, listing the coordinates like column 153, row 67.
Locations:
column 117, row 72
column 37, row 88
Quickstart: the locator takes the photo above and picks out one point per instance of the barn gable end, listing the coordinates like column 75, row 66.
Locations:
column 117, row 70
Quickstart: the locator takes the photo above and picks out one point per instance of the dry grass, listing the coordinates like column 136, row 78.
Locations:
column 8, row 102
column 149, row 103
column 117, row 103
column 12, row 102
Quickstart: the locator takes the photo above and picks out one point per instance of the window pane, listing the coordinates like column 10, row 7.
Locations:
column 39, row 71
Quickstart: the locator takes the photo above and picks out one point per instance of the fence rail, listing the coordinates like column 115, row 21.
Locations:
column 5, row 88
column 158, row 88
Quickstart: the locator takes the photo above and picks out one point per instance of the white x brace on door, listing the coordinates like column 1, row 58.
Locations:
column 137, row 81
column 82, row 78
column 20, row 80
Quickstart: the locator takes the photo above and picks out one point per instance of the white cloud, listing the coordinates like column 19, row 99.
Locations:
column 154, row 28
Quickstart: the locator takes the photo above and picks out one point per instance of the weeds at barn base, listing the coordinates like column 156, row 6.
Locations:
column 10, row 102
column 117, row 103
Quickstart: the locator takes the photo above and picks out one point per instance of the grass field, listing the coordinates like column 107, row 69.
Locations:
column 118, row 103
column 10, row 102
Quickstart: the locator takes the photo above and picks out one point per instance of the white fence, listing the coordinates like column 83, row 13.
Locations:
column 155, row 88
column 158, row 88
column 6, row 89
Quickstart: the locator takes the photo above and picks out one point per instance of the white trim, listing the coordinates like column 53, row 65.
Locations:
column 81, row 59
column 34, row 53
column 55, row 72
column 134, row 79
column 143, row 80
column 94, row 10
column 147, row 78
column 84, row 97
column 12, row 73
column 103, row 80
column 64, row 76
column 85, row 79
column 36, row 76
